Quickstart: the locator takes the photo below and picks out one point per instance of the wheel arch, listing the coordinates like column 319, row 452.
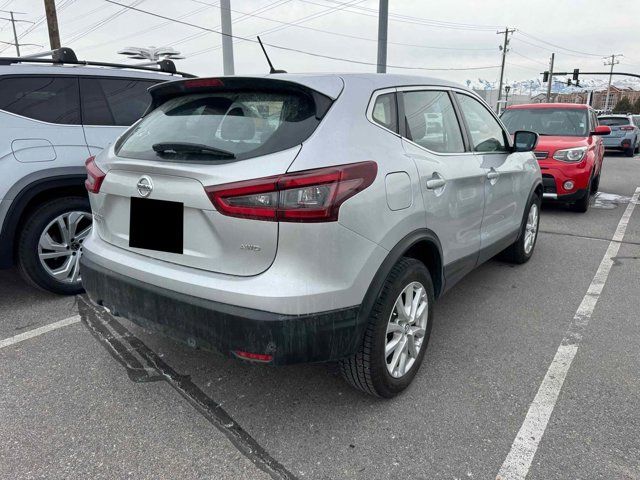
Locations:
column 27, row 199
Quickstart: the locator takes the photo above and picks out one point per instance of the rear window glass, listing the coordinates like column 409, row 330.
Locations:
column 548, row 121
column 114, row 101
column 222, row 126
column 49, row 99
column 614, row 121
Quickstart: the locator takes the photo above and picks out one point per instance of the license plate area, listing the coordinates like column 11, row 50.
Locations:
column 156, row 225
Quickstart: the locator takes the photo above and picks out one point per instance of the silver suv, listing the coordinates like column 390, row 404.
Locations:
column 54, row 113
column 307, row 218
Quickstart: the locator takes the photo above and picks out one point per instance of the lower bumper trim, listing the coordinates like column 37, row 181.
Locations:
column 317, row 337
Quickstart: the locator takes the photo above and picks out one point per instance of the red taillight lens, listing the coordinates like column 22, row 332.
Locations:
column 95, row 176
column 256, row 357
column 627, row 128
column 309, row 196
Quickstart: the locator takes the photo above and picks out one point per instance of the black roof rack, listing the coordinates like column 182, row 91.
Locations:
column 66, row 56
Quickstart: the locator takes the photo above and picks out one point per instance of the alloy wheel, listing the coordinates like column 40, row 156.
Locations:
column 531, row 229
column 60, row 245
column 406, row 329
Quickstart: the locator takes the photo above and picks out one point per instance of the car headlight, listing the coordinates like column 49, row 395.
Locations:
column 570, row 154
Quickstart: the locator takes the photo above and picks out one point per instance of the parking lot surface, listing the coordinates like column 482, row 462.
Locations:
column 101, row 398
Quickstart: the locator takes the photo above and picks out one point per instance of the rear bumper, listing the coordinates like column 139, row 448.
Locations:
column 571, row 197
column 210, row 325
column 618, row 143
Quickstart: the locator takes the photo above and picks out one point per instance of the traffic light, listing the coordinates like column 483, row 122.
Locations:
column 545, row 76
column 576, row 73
column 568, row 82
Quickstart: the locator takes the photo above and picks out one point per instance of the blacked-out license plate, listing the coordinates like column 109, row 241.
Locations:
column 156, row 225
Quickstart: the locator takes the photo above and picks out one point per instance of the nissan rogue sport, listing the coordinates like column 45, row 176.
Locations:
column 306, row 218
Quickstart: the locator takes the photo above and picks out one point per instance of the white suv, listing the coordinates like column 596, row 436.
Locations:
column 54, row 114
column 307, row 218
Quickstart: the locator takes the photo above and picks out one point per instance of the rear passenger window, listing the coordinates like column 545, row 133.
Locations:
column 431, row 121
column 385, row 112
column 49, row 99
column 114, row 101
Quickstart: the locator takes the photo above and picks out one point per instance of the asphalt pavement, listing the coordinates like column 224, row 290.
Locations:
column 101, row 398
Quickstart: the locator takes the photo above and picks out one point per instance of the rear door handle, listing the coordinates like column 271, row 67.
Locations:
column 493, row 175
column 436, row 183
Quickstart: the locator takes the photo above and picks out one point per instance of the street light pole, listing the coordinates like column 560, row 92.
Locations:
column 383, row 24
column 227, row 37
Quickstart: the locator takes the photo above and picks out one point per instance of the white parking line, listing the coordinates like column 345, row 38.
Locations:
column 39, row 331
column 518, row 462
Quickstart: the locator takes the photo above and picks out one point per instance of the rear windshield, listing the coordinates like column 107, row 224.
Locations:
column 548, row 121
column 613, row 121
column 221, row 126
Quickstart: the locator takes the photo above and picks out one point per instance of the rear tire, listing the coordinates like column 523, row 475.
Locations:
column 628, row 152
column 522, row 249
column 595, row 185
column 372, row 370
column 30, row 263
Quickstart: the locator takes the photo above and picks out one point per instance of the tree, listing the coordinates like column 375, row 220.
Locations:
column 636, row 106
column 623, row 106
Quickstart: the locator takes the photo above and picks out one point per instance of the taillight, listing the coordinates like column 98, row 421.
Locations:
column 95, row 176
column 308, row 196
column 627, row 128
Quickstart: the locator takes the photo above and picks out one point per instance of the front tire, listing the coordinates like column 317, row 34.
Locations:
column 522, row 249
column 397, row 333
column 50, row 245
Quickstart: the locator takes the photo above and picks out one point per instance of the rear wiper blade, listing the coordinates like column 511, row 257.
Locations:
column 185, row 147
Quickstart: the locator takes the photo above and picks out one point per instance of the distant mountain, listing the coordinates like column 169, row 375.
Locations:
column 559, row 86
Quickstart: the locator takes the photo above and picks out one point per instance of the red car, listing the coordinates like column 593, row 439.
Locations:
column 569, row 151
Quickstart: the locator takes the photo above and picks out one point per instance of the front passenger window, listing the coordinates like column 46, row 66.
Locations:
column 486, row 133
column 432, row 122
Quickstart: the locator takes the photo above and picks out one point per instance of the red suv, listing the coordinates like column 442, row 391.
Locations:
column 569, row 150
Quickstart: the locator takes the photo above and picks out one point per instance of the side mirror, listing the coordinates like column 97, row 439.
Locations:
column 601, row 130
column 524, row 141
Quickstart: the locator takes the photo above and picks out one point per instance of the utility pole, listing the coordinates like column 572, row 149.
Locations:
column 227, row 37
column 550, row 82
column 383, row 23
column 507, row 31
column 52, row 23
column 612, row 60
column 13, row 24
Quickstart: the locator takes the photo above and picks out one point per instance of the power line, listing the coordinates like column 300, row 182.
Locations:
column 372, row 12
column 289, row 49
column 559, row 46
column 346, row 35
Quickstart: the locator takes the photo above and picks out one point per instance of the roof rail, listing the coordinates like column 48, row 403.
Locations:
column 66, row 56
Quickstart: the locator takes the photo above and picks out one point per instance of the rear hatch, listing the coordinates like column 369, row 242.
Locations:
column 156, row 196
column 620, row 126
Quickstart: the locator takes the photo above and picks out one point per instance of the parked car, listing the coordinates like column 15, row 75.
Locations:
column 625, row 133
column 54, row 113
column 325, row 237
column 570, row 150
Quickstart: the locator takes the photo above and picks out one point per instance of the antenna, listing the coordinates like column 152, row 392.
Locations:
column 272, row 70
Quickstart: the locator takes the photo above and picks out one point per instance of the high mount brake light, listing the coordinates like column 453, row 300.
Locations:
column 95, row 176
column 203, row 82
column 308, row 196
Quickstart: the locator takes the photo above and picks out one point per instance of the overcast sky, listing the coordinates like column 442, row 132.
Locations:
column 451, row 34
